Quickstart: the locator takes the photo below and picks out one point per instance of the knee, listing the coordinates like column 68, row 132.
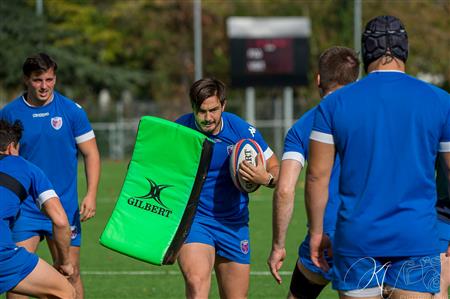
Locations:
column 196, row 284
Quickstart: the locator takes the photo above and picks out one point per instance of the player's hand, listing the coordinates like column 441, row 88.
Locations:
column 255, row 174
column 275, row 262
column 65, row 269
column 318, row 244
column 87, row 208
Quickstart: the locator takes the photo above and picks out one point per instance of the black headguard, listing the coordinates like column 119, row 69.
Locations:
column 384, row 34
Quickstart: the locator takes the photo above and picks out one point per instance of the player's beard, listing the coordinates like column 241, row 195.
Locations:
column 208, row 127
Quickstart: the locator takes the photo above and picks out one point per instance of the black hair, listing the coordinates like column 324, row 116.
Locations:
column 9, row 133
column 205, row 88
column 40, row 63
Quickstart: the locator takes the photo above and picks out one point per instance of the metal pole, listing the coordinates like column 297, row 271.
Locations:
column 288, row 107
column 198, row 39
column 39, row 7
column 250, row 105
column 357, row 29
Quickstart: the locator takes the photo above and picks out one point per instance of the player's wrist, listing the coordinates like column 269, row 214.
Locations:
column 269, row 181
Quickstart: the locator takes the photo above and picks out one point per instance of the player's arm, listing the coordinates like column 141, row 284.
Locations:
column 91, row 158
column 321, row 159
column 446, row 159
column 61, row 234
column 283, row 206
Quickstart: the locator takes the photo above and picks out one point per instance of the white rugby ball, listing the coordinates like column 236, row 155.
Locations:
column 244, row 150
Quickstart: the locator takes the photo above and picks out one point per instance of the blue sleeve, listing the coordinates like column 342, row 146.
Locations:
column 323, row 130
column 41, row 188
column 80, row 123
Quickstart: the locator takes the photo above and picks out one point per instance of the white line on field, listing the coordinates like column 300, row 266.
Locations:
column 110, row 273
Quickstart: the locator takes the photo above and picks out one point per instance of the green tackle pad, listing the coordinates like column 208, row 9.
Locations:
column 160, row 193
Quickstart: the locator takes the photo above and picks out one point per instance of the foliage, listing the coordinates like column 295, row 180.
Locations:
column 146, row 46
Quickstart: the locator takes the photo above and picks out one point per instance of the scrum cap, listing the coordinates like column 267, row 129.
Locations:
column 384, row 34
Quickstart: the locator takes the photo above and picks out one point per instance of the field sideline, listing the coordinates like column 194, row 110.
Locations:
column 108, row 274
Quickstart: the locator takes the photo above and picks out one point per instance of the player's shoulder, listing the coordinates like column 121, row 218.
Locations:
column 67, row 102
column 306, row 120
column 13, row 104
column 234, row 120
column 185, row 119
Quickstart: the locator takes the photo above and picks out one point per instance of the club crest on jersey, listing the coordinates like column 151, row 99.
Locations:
column 229, row 149
column 73, row 232
column 244, row 246
column 56, row 122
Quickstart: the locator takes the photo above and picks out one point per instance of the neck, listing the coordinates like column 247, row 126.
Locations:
column 35, row 102
column 387, row 63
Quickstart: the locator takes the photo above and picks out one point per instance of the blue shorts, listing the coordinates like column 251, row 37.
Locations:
column 418, row 273
column 25, row 228
column 230, row 241
column 304, row 256
column 444, row 234
column 16, row 263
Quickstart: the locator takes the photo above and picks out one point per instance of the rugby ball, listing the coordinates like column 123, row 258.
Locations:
column 244, row 150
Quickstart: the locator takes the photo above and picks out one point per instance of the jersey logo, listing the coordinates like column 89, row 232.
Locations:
column 244, row 246
column 56, row 122
column 252, row 131
column 230, row 149
column 155, row 192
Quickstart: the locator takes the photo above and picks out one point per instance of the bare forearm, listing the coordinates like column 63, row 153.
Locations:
column 92, row 171
column 61, row 236
column 283, row 206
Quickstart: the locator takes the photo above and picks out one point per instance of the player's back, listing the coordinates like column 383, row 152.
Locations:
column 388, row 128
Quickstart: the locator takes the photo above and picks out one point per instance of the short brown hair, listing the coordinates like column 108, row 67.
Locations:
column 205, row 88
column 338, row 66
column 9, row 133
column 38, row 63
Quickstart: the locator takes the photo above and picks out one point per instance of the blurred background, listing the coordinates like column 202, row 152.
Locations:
column 122, row 59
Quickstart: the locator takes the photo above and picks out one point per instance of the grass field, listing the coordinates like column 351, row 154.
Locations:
column 107, row 274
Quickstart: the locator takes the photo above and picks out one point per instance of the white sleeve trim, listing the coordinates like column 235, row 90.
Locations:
column 85, row 137
column 322, row 137
column 268, row 153
column 444, row 147
column 44, row 196
column 294, row 156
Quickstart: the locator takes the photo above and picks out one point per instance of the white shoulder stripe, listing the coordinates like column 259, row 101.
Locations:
column 294, row 156
column 268, row 153
column 44, row 196
column 85, row 137
column 444, row 147
column 322, row 137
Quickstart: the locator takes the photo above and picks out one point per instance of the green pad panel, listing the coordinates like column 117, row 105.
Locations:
column 160, row 193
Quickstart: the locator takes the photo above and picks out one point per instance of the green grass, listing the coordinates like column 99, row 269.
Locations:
column 167, row 281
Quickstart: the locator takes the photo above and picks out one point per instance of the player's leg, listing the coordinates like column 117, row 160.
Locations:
column 444, row 240
column 31, row 244
column 307, row 280
column 305, row 284
column 74, row 250
column 45, row 282
column 445, row 277
column 74, row 253
column 233, row 278
column 196, row 261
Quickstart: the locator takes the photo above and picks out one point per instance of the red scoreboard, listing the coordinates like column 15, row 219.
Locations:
column 268, row 51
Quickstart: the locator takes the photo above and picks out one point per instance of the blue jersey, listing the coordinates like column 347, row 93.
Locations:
column 50, row 137
column 387, row 129
column 219, row 197
column 296, row 145
column 33, row 180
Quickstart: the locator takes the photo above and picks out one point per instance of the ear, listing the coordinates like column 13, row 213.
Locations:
column 223, row 105
column 318, row 80
column 12, row 149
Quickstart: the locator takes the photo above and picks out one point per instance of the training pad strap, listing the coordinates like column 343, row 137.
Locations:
column 12, row 184
column 191, row 207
